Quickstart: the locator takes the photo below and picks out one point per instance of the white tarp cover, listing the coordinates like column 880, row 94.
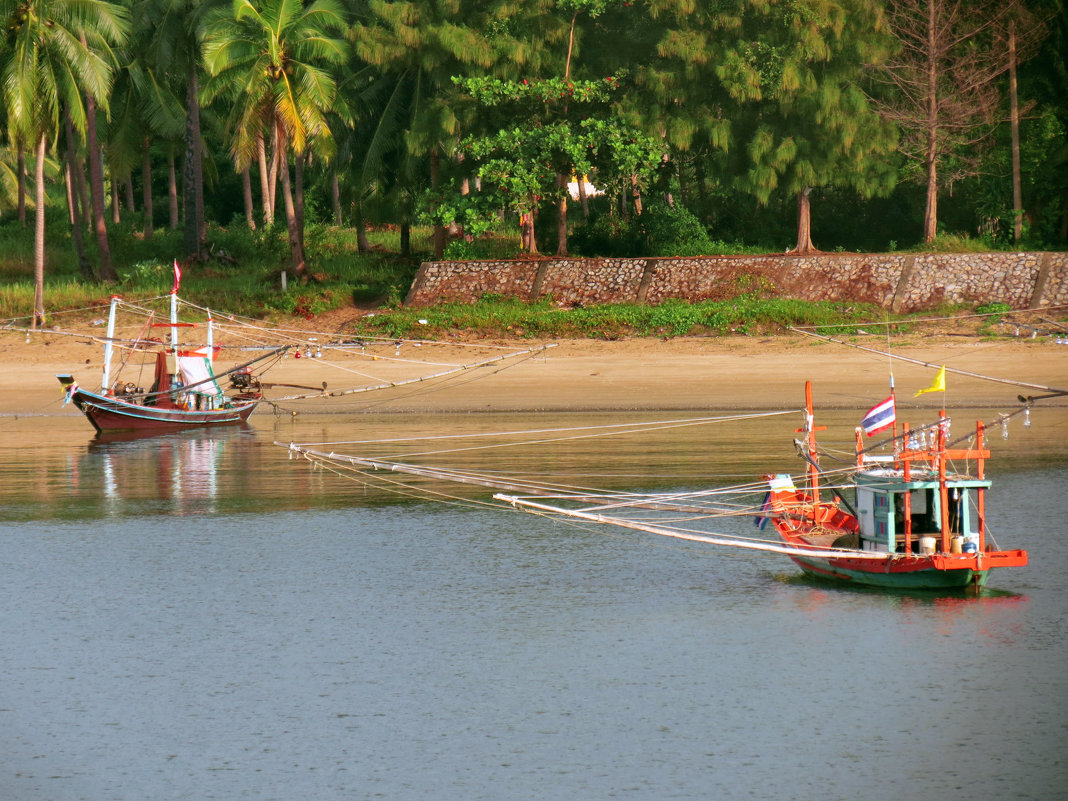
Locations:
column 195, row 369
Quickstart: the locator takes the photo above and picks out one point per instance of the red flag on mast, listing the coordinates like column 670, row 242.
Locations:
column 177, row 277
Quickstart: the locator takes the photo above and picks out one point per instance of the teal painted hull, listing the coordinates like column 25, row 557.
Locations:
column 931, row 579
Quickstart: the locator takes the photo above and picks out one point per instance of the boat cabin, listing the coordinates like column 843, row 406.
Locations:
column 906, row 516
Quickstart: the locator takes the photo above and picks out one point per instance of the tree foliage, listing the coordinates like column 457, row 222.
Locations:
column 566, row 129
column 739, row 111
column 947, row 94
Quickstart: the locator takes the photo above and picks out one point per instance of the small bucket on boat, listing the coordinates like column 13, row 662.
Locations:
column 956, row 545
column 927, row 544
column 971, row 546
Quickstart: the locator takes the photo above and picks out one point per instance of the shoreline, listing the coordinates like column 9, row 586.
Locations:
column 681, row 374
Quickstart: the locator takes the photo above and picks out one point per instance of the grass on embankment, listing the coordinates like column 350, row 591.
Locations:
column 507, row 317
column 244, row 274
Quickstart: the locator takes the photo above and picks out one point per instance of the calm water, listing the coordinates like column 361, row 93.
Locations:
column 197, row 617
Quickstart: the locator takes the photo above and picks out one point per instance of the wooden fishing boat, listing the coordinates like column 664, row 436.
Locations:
column 185, row 392
column 918, row 522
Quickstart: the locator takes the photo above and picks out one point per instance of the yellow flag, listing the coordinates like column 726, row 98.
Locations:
column 938, row 385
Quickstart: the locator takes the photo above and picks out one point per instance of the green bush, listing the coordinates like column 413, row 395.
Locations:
column 660, row 231
column 462, row 250
column 244, row 246
column 153, row 275
column 673, row 231
column 606, row 235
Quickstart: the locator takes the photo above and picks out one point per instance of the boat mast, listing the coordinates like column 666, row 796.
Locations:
column 943, row 489
column 174, row 325
column 906, row 475
column 980, row 491
column 813, row 454
column 105, row 378
column 893, row 397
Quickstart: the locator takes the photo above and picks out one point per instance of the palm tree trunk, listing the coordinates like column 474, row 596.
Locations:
column 362, row 245
column 246, row 193
column 198, row 174
column 335, row 198
column 300, row 269
column 172, row 191
column 298, row 196
column 146, row 179
column 21, row 168
column 39, row 235
column 81, row 189
column 96, row 192
column 76, row 205
column 272, row 176
column 196, row 227
column 68, row 184
column 128, row 186
column 266, row 196
column 189, row 229
column 116, row 218
column 1014, row 121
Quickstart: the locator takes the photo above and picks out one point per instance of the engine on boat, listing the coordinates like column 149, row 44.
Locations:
column 129, row 391
column 243, row 380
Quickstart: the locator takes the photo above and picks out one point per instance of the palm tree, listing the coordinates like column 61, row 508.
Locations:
column 56, row 49
column 273, row 57
column 379, row 169
column 147, row 103
column 169, row 52
column 417, row 47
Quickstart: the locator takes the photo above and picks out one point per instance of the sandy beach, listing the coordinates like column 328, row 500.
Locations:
column 689, row 373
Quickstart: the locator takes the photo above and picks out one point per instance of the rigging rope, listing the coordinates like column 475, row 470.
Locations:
column 654, row 425
column 922, row 363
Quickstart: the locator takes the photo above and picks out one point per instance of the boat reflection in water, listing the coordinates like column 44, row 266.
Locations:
column 183, row 468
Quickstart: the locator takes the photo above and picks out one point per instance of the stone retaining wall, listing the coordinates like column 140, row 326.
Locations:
column 902, row 282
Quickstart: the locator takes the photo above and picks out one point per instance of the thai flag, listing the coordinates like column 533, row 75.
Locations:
column 879, row 417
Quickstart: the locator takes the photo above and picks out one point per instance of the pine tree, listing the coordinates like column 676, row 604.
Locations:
column 774, row 89
column 944, row 94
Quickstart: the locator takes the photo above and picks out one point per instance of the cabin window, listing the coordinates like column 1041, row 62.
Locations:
column 925, row 519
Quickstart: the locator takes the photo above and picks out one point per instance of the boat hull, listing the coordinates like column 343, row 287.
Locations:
column 112, row 414
column 934, row 572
